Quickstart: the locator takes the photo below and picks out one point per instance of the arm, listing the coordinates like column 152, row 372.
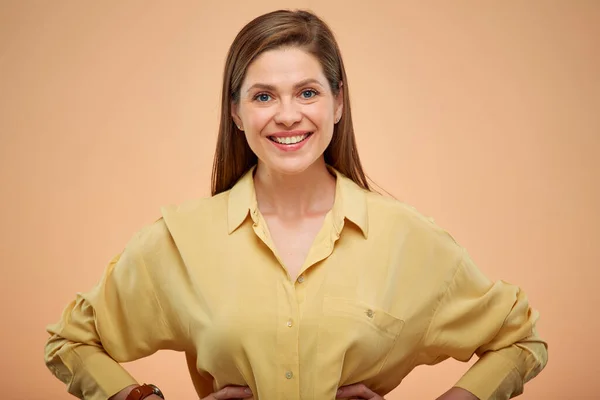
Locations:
column 122, row 395
column 494, row 321
column 120, row 320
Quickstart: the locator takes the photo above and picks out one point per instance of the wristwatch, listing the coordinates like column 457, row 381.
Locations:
column 143, row 391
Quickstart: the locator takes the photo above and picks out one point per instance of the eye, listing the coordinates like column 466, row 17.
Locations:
column 262, row 97
column 309, row 93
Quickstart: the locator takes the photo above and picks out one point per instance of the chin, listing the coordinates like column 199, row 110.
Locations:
column 290, row 166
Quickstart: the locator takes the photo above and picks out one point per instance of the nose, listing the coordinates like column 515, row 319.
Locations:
column 288, row 113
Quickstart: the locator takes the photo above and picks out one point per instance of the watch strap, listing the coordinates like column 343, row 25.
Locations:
column 141, row 392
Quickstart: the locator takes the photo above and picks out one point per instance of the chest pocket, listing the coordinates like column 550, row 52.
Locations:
column 355, row 338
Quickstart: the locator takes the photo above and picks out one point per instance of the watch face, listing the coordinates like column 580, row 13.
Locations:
column 157, row 391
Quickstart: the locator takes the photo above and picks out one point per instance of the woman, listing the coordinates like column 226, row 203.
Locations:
column 293, row 280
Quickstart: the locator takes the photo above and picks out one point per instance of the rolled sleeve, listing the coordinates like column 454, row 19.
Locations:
column 120, row 320
column 493, row 321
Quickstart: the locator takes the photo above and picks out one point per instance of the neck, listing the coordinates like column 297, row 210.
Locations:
column 292, row 196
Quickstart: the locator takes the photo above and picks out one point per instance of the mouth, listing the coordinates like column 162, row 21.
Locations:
column 290, row 140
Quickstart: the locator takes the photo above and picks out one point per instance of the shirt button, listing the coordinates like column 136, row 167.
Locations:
column 370, row 313
column 289, row 375
column 301, row 278
column 290, row 323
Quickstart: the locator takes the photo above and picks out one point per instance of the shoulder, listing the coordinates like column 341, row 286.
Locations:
column 391, row 216
column 428, row 251
column 181, row 219
column 389, row 207
column 206, row 212
column 197, row 207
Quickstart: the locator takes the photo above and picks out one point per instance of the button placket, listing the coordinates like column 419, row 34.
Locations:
column 300, row 288
column 287, row 341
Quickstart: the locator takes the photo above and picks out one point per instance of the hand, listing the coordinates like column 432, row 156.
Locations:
column 357, row 391
column 457, row 393
column 231, row 392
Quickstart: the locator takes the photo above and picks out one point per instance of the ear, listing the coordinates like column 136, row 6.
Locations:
column 236, row 117
column 339, row 103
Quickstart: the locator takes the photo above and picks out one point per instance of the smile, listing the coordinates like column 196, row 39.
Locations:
column 289, row 140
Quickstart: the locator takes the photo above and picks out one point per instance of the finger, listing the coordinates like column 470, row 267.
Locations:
column 357, row 390
column 233, row 392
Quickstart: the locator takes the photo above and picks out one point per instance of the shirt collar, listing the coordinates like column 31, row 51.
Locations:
column 350, row 203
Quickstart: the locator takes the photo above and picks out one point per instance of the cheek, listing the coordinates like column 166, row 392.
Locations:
column 320, row 113
column 321, row 117
column 258, row 117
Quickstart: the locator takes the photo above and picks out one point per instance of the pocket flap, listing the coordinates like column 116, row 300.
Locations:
column 361, row 311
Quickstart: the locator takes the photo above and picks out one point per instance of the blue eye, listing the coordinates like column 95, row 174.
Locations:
column 262, row 97
column 307, row 94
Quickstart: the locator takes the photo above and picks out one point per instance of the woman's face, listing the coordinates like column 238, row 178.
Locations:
column 287, row 110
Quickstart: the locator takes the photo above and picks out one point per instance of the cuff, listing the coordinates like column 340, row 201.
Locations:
column 493, row 377
column 98, row 376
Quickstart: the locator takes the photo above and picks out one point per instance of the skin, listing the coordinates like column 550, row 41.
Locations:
column 299, row 97
column 285, row 90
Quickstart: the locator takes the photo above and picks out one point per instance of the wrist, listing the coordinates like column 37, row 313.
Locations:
column 145, row 392
column 457, row 393
column 122, row 395
column 139, row 392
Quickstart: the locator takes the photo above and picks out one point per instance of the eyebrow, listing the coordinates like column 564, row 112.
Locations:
column 298, row 85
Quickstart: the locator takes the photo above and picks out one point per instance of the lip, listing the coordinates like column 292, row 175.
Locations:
column 290, row 147
column 288, row 134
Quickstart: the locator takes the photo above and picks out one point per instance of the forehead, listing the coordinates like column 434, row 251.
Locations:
column 284, row 66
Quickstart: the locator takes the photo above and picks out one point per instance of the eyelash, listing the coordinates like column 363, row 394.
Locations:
column 313, row 91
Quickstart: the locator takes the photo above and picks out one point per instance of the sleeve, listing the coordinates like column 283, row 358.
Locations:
column 493, row 321
column 119, row 320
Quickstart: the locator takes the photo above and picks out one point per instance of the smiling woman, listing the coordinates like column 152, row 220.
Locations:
column 291, row 62
column 294, row 280
column 287, row 111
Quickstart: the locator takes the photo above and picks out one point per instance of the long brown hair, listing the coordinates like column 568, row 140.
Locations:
column 233, row 156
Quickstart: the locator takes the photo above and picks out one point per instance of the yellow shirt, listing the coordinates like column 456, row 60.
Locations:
column 382, row 291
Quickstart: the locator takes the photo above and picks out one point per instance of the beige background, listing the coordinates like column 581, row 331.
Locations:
column 483, row 115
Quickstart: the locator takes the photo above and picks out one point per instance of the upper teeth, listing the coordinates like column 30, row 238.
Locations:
column 290, row 139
